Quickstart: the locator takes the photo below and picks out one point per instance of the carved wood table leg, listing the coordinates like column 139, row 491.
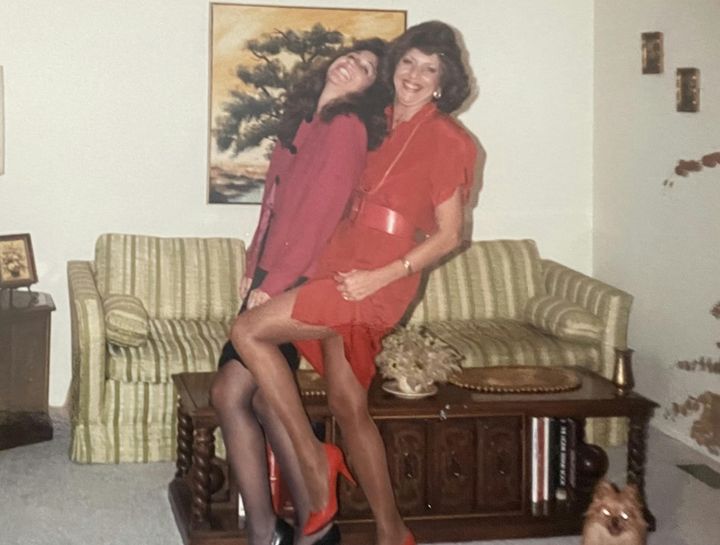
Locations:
column 203, row 449
column 184, row 442
column 637, row 447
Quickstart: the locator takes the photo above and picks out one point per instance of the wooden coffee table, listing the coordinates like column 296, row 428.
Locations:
column 460, row 462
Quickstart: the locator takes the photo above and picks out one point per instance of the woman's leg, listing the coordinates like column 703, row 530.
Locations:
column 256, row 335
column 347, row 400
column 289, row 468
column 232, row 393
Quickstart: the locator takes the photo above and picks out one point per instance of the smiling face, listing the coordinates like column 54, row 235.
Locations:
column 353, row 72
column 416, row 78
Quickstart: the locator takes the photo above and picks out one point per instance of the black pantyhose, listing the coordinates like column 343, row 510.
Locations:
column 246, row 421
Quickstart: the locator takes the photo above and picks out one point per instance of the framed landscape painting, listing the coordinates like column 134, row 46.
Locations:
column 255, row 54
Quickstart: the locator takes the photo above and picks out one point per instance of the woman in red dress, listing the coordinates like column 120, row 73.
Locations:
column 416, row 183
column 330, row 119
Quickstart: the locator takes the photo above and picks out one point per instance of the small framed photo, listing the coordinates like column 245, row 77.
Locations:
column 652, row 52
column 17, row 264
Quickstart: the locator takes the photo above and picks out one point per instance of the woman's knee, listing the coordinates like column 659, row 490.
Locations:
column 241, row 331
column 232, row 388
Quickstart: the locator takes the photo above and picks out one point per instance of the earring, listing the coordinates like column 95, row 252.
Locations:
column 437, row 94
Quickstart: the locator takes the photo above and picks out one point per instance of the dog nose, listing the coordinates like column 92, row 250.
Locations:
column 615, row 528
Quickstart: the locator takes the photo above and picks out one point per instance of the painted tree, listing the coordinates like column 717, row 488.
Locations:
column 282, row 58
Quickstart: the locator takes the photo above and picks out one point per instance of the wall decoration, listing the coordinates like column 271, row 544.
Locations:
column 652, row 52
column 705, row 430
column 687, row 89
column 256, row 53
column 17, row 264
column 685, row 167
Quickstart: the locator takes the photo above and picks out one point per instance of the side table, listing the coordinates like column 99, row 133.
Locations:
column 24, row 367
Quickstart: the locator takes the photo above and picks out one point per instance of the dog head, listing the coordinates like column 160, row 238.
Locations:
column 617, row 514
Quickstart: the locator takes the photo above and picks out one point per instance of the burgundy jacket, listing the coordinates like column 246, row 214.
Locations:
column 305, row 196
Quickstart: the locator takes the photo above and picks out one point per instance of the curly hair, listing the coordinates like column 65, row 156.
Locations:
column 369, row 105
column 433, row 37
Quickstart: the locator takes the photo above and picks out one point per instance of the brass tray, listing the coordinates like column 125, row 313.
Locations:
column 516, row 379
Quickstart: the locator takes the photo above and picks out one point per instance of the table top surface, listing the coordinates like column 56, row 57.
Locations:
column 596, row 396
column 15, row 301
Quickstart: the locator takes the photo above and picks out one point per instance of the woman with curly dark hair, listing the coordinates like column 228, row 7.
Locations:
column 330, row 119
column 406, row 215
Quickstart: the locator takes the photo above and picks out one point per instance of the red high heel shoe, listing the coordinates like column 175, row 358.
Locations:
column 336, row 464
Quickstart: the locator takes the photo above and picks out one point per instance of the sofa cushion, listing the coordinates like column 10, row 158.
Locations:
column 564, row 319
column 174, row 346
column 126, row 320
column 175, row 278
column 489, row 279
column 510, row 342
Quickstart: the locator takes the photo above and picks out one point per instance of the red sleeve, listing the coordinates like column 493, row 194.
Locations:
column 309, row 216
column 454, row 165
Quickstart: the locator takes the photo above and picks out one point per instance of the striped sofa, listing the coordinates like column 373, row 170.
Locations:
column 479, row 302
column 123, row 404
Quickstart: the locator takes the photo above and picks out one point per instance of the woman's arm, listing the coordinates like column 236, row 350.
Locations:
column 358, row 284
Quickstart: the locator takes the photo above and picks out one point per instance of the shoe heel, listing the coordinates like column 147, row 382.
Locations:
column 346, row 473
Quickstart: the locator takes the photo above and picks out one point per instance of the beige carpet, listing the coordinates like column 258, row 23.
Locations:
column 47, row 500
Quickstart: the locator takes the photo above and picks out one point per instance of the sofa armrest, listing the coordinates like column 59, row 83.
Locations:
column 88, row 343
column 608, row 303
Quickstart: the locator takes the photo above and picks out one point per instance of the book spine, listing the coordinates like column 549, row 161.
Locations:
column 562, row 470
column 545, row 459
column 554, row 466
column 572, row 455
column 534, row 473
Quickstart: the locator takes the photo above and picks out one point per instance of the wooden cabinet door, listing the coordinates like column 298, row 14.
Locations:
column 24, row 353
column 451, row 466
column 499, row 467
column 406, row 445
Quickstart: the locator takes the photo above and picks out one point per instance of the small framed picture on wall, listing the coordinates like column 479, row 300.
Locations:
column 17, row 264
column 652, row 52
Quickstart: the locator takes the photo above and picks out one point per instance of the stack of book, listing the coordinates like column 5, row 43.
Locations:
column 554, row 462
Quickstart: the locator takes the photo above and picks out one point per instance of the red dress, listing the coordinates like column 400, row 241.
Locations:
column 419, row 165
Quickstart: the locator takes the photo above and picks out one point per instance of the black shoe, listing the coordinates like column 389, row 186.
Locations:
column 331, row 537
column 283, row 533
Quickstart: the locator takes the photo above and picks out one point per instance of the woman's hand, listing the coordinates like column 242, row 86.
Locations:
column 356, row 285
column 244, row 287
column 257, row 298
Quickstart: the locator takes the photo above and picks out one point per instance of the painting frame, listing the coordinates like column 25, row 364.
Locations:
column 17, row 262
column 241, row 113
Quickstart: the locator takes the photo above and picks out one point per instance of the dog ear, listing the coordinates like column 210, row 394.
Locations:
column 603, row 489
column 632, row 492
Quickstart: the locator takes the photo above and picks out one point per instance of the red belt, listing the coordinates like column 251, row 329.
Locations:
column 382, row 218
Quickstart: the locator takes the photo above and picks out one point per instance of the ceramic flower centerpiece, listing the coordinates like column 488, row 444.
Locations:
column 414, row 359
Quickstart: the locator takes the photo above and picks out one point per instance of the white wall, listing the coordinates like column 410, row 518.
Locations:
column 106, row 126
column 660, row 244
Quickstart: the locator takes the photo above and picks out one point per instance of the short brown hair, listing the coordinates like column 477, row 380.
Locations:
column 433, row 37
